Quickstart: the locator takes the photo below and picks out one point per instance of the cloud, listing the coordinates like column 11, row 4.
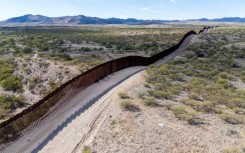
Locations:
column 172, row 1
column 146, row 8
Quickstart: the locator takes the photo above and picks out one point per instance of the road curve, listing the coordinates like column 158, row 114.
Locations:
column 36, row 138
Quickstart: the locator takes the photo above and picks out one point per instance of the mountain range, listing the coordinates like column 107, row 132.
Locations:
column 81, row 19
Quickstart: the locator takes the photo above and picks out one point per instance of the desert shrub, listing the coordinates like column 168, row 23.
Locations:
column 147, row 85
column 178, row 109
column 44, row 48
column 8, row 103
column 86, row 149
column 94, row 62
column 225, row 75
column 7, row 66
column 238, row 110
column 243, row 78
column 190, row 55
column 218, row 109
column 52, row 87
column 141, row 95
column 82, row 67
column 240, row 54
column 35, row 82
column 150, row 101
column 194, row 120
column 85, row 49
column 27, row 50
column 166, row 93
column 3, row 76
column 7, row 79
column 206, row 106
column 27, row 70
column 177, row 77
column 194, row 96
column 224, row 82
column 233, row 150
column 123, row 95
column 128, row 105
column 156, row 93
column 12, row 83
column 65, row 56
column 181, row 112
column 232, row 119
column 236, row 102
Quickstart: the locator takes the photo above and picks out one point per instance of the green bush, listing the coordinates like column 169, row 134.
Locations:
column 236, row 102
column 233, row 150
column 86, row 149
column 12, row 83
column 27, row 50
column 194, row 96
column 178, row 109
column 190, row 55
column 233, row 119
column 243, row 78
column 85, row 49
column 9, row 103
column 123, row 95
column 65, row 56
column 224, row 82
column 238, row 110
column 181, row 112
column 206, row 106
column 150, row 101
column 128, row 106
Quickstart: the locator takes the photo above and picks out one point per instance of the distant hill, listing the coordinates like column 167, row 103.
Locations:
column 235, row 19
column 226, row 19
column 81, row 19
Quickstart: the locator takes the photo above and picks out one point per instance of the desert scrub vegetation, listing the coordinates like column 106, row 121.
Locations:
column 128, row 105
column 9, row 103
column 86, row 149
column 123, row 95
column 59, row 42
column 8, row 80
column 182, row 112
column 233, row 150
column 150, row 101
column 206, row 76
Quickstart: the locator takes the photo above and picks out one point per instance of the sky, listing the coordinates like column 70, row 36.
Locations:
column 140, row 9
